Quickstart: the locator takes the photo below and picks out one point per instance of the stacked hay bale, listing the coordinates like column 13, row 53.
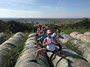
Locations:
column 66, row 38
column 8, row 46
column 28, row 54
column 73, row 34
column 78, row 36
column 83, row 37
column 2, row 37
column 31, row 35
column 75, row 59
column 87, row 33
column 82, row 46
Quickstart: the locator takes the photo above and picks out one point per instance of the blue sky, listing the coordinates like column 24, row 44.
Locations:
column 44, row 8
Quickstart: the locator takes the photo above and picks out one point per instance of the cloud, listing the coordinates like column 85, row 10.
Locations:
column 32, row 2
column 9, row 13
column 45, row 6
column 49, row 13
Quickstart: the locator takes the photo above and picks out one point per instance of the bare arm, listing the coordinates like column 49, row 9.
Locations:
column 44, row 42
column 56, row 42
column 61, row 37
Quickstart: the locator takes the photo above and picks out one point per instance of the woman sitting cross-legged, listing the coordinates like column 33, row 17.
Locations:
column 49, row 42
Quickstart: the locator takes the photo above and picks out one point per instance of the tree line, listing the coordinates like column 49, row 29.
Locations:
column 14, row 26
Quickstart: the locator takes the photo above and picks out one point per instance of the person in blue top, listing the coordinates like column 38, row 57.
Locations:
column 42, row 34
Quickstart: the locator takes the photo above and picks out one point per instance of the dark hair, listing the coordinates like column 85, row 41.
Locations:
column 43, row 26
column 58, row 30
column 39, row 26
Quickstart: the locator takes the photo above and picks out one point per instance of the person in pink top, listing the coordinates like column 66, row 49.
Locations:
column 37, row 35
column 39, row 29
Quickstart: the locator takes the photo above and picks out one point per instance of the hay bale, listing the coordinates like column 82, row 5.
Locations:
column 8, row 46
column 76, row 60
column 87, row 33
column 32, row 34
column 66, row 38
column 13, row 41
column 85, row 38
column 28, row 54
column 78, row 36
column 29, row 40
column 82, row 46
column 73, row 34
column 19, row 33
column 2, row 37
column 85, row 49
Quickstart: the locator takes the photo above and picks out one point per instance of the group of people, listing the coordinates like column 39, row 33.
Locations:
column 49, row 41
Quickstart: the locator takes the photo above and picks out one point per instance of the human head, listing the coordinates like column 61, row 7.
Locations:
column 43, row 26
column 49, row 32
column 46, row 26
column 39, row 26
column 58, row 31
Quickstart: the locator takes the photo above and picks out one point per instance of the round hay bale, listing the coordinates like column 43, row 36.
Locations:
column 6, row 47
column 86, row 53
column 3, row 55
column 85, row 38
column 78, row 36
column 32, row 34
column 73, row 34
column 87, row 33
column 28, row 54
column 32, row 38
column 2, row 60
column 76, row 60
column 26, row 63
column 13, row 41
column 28, row 41
column 66, row 38
column 2, row 37
column 82, row 47
column 19, row 33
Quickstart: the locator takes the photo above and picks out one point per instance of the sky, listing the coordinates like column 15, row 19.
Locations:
column 44, row 8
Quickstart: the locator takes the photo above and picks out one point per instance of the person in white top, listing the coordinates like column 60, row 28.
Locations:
column 49, row 42
column 57, row 35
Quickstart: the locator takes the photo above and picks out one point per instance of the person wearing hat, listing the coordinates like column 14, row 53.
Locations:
column 49, row 42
